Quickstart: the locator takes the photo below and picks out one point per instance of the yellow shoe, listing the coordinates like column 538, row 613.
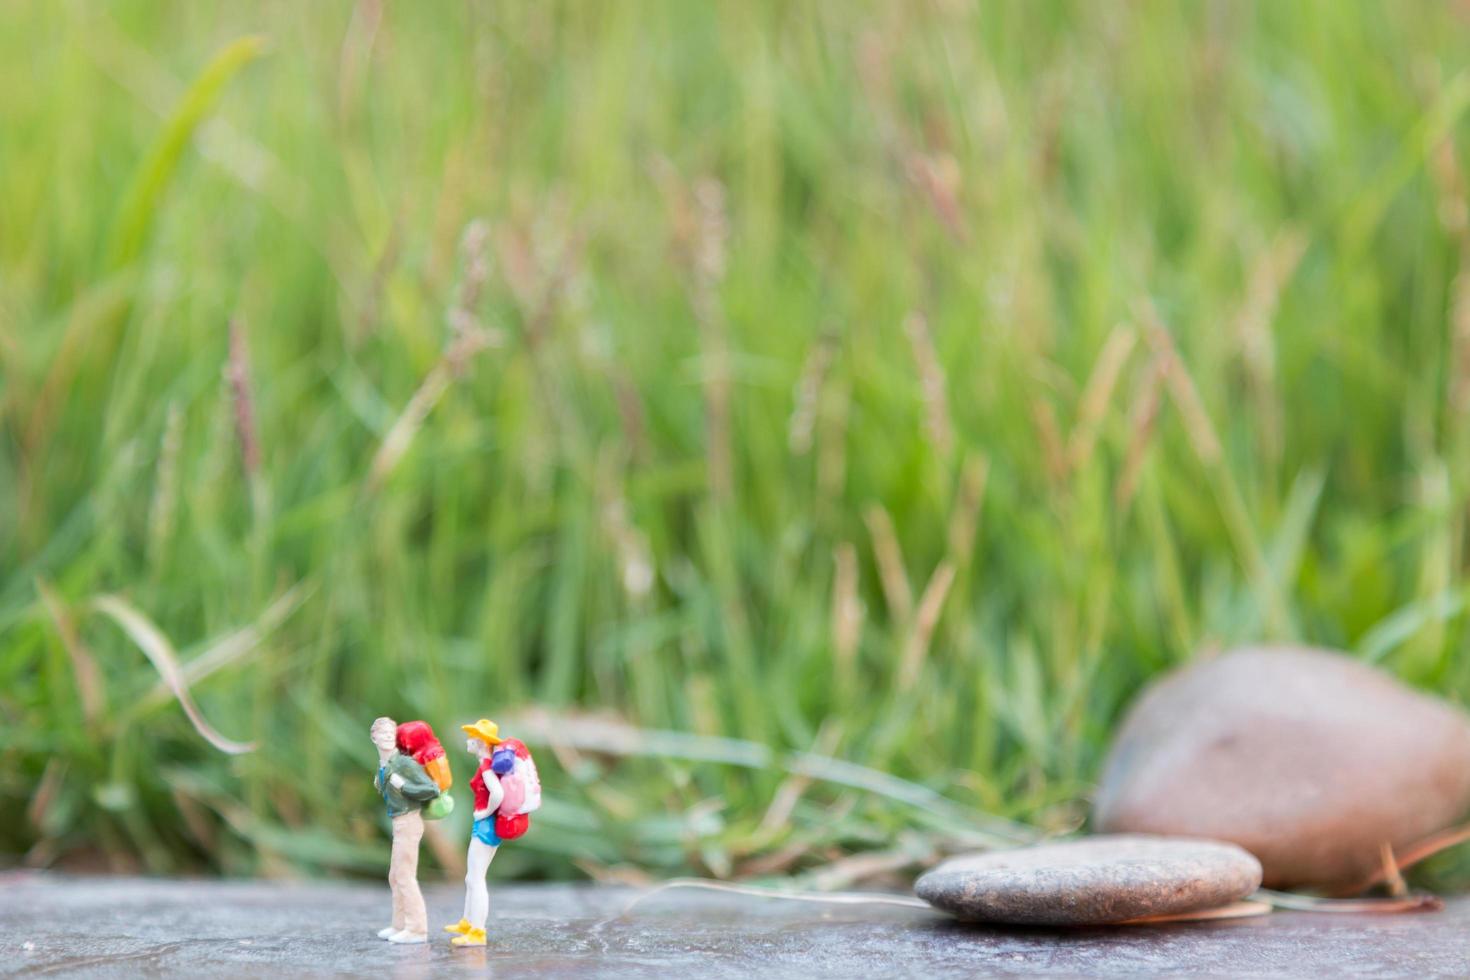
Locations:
column 459, row 928
column 474, row 937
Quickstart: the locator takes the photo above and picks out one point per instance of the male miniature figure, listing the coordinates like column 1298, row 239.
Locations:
column 405, row 787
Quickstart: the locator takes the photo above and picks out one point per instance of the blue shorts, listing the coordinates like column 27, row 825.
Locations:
column 484, row 831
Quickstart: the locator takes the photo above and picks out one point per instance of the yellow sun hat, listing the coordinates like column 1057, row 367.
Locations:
column 485, row 730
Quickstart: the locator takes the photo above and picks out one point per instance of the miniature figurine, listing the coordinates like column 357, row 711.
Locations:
column 406, row 787
column 507, row 789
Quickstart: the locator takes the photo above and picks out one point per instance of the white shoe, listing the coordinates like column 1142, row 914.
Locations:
column 408, row 938
column 387, row 931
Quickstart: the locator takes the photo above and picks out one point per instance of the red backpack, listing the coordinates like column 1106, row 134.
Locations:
column 417, row 740
column 512, row 762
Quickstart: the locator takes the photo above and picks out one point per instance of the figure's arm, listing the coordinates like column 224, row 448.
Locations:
column 497, row 792
column 416, row 784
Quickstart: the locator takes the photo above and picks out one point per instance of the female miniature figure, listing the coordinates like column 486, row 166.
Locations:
column 507, row 788
column 405, row 787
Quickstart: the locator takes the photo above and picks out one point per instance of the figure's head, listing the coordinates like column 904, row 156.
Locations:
column 384, row 734
column 484, row 735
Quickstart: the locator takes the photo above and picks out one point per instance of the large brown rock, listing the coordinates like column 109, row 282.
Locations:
column 1092, row 881
column 1306, row 758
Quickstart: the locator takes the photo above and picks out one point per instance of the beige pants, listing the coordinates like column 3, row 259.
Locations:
column 403, row 875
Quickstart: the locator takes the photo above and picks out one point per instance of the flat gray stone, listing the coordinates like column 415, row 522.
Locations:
column 52, row 925
column 1092, row 881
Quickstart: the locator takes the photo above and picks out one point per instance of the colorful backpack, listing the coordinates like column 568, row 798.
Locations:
column 416, row 739
column 512, row 762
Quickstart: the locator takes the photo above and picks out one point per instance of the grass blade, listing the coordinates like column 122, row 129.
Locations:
column 145, row 192
column 160, row 652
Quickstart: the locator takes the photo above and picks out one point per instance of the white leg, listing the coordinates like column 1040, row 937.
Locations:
column 469, row 863
column 476, row 893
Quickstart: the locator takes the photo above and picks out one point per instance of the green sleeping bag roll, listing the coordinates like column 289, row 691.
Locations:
column 439, row 807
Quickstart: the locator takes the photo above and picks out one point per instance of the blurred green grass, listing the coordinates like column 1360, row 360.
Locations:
column 876, row 383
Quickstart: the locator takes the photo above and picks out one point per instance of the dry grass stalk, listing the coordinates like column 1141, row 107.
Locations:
column 518, row 267
column 1182, row 389
column 1393, row 878
column 631, row 415
column 237, row 373
column 856, row 868
column 1208, row 449
column 793, row 787
column 699, row 232
column 1454, row 216
column 934, row 174
column 542, row 265
column 964, row 519
column 777, row 862
column 931, row 382
column 832, row 439
column 1459, row 387
column 475, row 247
column 931, row 604
column 1413, row 853
column 806, row 397
column 820, row 898
column 162, row 509
column 1098, row 392
column 622, row 875
column 1269, row 275
column 1417, row 902
column 369, row 304
column 90, row 687
column 1449, row 182
column 847, row 612
column 1052, row 105
column 887, row 554
column 196, row 819
column 52, row 778
column 401, row 434
column 93, row 312
column 467, row 338
column 1142, row 419
column 447, row 851
column 1235, row 910
column 874, row 59
column 356, row 53
column 635, row 558
column 1049, row 434
column 787, row 795
column 938, row 177
column 709, row 273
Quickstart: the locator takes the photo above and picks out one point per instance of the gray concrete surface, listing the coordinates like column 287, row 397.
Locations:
column 53, row 925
